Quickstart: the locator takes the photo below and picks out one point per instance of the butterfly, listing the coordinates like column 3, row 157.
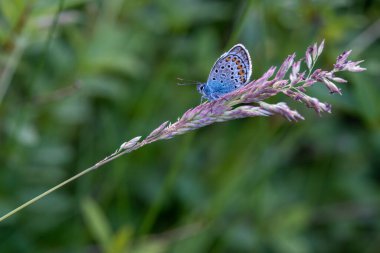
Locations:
column 231, row 71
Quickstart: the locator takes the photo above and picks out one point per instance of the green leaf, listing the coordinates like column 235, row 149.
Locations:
column 97, row 222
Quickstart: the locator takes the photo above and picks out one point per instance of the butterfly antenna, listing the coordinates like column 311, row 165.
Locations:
column 188, row 82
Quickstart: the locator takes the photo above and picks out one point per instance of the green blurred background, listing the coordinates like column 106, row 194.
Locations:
column 73, row 87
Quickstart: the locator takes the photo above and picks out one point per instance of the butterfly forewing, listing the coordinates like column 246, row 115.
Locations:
column 232, row 70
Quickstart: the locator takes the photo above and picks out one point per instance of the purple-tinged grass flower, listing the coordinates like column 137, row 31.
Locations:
column 342, row 64
column 248, row 101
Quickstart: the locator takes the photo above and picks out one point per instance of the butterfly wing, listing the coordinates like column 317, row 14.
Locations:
column 240, row 51
column 231, row 71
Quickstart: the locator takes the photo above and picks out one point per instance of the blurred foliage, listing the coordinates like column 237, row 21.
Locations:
column 75, row 85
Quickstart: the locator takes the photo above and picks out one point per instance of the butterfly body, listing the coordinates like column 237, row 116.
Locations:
column 231, row 71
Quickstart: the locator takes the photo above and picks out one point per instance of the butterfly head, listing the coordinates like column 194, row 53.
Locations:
column 205, row 90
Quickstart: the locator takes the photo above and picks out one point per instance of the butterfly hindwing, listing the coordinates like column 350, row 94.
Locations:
column 240, row 51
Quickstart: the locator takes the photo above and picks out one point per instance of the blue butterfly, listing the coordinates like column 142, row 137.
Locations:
column 231, row 71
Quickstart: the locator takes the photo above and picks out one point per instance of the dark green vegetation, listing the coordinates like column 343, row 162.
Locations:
column 73, row 88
